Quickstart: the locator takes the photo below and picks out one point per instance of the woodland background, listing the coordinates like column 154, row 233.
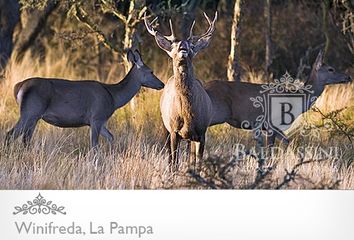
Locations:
column 255, row 41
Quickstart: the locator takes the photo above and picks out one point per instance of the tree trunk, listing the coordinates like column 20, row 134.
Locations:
column 131, row 41
column 9, row 17
column 101, row 74
column 233, row 70
column 225, row 7
column 33, row 21
column 188, row 17
column 268, row 36
column 325, row 7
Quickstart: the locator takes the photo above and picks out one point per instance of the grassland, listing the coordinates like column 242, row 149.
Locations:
column 61, row 159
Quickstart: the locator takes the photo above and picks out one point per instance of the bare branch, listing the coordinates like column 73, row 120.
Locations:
column 112, row 9
column 81, row 15
column 202, row 180
column 340, row 125
column 140, row 17
column 293, row 173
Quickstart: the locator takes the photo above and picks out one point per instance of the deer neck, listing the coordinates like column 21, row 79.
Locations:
column 126, row 89
column 316, row 86
column 183, row 74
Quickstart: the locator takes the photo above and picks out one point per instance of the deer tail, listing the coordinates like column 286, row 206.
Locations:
column 18, row 92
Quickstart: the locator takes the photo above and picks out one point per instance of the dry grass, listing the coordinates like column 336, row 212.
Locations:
column 60, row 158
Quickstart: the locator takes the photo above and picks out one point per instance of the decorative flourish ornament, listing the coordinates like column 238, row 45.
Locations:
column 285, row 87
column 39, row 206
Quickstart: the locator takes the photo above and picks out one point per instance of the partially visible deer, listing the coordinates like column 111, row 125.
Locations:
column 232, row 104
column 65, row 103
column 185, row 106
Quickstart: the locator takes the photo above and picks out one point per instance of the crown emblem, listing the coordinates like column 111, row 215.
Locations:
column 39, row 205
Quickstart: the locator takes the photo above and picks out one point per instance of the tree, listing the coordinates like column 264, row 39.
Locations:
column 268, row 36
column 33, row 21
column 325, row 8
column 135, row 14
column 9, row 17
column 188, row 9
column 130, row 19
column 233, row 70
column 345, row 21
column 33, row 16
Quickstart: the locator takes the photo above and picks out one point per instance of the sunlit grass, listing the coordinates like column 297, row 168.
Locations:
column 61, row 158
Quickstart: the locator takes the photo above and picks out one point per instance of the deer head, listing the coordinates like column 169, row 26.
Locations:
column 182, row 49
column 142, row 72
column 326, row 75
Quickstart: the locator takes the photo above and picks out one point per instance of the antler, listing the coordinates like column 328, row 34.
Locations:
column 208, row 33
column 172, row 36
column 153, row 32
column 149, row 25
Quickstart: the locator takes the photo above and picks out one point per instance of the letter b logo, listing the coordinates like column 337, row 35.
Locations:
column 287, row 117
column 284, row 109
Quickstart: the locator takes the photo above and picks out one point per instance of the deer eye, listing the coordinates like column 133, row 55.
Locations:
column 330, row 70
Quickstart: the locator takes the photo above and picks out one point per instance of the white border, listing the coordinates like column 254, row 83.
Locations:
column 184, row 215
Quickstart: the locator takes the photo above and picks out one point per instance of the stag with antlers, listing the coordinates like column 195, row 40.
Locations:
column 185, row 106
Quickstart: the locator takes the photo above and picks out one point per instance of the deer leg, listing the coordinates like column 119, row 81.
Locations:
column 107, row 134
column 259, row 147
column 192, row 154
column 259, row 140
column 282, row 138
column 31, row 111
column 257, row 135
column 168, row 144
column 166, row 137
column 14, row 133
column 188, row 149
column 28, row 131
column 96, row 127
column 200, row 148
column 198, row 151
column 175, row 139
column 271, row 140
column 22, row 127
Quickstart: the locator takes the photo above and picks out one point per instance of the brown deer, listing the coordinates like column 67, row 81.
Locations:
column 232, row 104
column 65, row 103
column 185, row 106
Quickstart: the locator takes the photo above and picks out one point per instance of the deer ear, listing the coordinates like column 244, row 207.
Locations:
column 319, row 59
column 163, row 43
column 200, row 45
column 131, row 57
column 137, row 54
column 138, row 59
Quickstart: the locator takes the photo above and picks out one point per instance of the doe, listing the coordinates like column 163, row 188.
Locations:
column 65, row 103
column 232, row 104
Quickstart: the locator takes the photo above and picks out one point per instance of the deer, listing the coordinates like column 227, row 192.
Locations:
column 232, row 104
column 185, row 106
column 71, row 104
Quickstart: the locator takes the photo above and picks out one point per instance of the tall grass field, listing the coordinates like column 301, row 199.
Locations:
column 61, row 158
